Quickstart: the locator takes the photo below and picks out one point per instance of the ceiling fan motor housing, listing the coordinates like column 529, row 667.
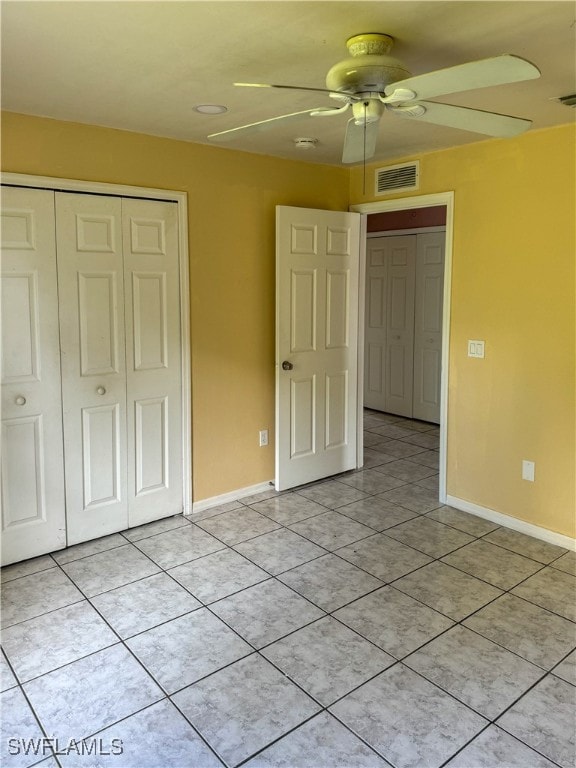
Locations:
column 369, row 69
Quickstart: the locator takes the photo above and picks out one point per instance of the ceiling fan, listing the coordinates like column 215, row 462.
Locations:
column 372, row 82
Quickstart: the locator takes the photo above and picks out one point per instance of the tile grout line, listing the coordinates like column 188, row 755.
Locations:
column 327, row 614
column 255, row 651
column 165, row 696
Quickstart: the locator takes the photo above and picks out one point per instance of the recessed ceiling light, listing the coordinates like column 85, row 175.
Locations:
column 210, row 109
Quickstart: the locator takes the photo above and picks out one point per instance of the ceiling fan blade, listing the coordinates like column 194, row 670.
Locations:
column 475, row 120
column 297, row 88
column 498, row 70
column 360, row 141
column 262, row 125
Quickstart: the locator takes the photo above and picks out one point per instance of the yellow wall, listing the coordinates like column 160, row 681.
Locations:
column 512, row 285
column 232, row 198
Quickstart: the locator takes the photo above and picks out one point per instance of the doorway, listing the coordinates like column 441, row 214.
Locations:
column 445, row 200
column 403, row 320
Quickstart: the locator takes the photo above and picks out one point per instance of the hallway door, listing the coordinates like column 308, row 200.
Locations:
column 317, row 268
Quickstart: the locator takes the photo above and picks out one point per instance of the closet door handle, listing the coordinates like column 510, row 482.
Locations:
column 20, row 400
column 101, row 390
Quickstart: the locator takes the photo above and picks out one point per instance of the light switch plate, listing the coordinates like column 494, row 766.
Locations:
column 528, row 470
column 475, row 348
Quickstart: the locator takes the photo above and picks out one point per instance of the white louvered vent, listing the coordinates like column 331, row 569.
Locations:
column 397, row 177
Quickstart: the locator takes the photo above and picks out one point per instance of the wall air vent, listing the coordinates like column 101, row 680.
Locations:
column 395, row 178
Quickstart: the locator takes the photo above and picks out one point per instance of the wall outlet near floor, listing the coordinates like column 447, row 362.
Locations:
column 528, row 471
column 263, row 437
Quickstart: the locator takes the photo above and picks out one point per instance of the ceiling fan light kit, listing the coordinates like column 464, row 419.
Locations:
column 366, row 112
column 373, row 83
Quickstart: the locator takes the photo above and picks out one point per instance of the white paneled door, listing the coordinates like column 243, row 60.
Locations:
column 317, row 266
column 33, row 513
column 428, row 325
column 403, row 324
column 91, row 287
column 120, row 335
column 400, row 325
column 152, row 311
column 389, row 324
column 91, row 366
column 375, row 325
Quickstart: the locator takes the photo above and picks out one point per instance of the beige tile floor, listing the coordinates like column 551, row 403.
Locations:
column 353, row 622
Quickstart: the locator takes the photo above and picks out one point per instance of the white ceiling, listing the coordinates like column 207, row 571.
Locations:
column 143, row 66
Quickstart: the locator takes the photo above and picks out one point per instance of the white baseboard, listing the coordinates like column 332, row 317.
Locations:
column 214, row 501
column 512, row 522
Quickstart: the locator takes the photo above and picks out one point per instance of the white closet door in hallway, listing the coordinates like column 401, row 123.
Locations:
column 428, row 308
column 403, row 326
column 92, row 441
column 399, row 315
column 33, row 512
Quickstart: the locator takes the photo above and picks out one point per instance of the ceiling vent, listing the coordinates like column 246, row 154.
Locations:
column 395, row 178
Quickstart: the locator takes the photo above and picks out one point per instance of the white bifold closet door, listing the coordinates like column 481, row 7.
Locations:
column 91, row 287
column 121, row 381
column 403, row 327
column 153, row 360
column 428, row 315
column 33, row 512
column 91, row 368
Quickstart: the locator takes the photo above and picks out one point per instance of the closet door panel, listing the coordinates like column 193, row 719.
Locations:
column 91, row 287
column 401, row 257
column 101, row 437
column 152, row 314
column 375, row 324
column 98, row 321
column 428, row 325
column 33, row 511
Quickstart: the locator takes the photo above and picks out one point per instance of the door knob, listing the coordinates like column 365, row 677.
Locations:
column 20, row 400
column 287, row 365
column 101, row 391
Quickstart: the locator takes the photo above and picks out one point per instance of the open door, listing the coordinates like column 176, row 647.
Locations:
column 317, row 268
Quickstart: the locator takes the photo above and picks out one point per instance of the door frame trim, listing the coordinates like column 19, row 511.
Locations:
column 401, row 204
column 147, row 193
